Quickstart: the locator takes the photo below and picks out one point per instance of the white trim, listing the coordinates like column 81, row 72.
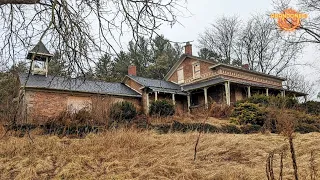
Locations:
column 206, row 97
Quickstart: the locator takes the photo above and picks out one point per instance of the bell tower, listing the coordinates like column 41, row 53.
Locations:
column 41, row 56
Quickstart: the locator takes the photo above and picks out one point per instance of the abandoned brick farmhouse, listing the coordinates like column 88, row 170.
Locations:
column 191, row 82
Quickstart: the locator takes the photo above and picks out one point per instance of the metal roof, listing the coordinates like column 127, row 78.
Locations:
column 147, row 82
column 40, row 48
column 154, row 89
column 76, row 85
column 202, row 84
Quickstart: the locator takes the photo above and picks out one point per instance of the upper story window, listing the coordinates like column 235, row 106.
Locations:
column 180, row 75
column 196, row 70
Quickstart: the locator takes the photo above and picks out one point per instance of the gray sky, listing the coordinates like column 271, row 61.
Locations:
column 204, row 12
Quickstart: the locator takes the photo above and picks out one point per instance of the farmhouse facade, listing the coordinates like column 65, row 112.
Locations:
column 191, row 83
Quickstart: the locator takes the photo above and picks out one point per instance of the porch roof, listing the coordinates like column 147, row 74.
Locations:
column 255, row 84
column 171, row 91
column 203, row 84
column 296, row 93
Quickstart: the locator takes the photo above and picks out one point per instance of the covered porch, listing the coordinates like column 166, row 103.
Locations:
column 227, row 91
column 176, row 97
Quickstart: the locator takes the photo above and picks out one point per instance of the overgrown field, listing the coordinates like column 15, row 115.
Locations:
column 132, row 154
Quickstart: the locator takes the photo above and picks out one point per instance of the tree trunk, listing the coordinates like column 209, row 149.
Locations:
column 293, row 157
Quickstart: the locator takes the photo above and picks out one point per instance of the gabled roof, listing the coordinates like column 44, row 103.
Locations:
column 156, row 84
column 246, row 70
column 182, row 58
column 76, row 85
column 148, row 82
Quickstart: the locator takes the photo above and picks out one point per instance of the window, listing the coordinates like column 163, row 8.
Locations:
column 196, row 70
column 75, row 104
column 180, row 76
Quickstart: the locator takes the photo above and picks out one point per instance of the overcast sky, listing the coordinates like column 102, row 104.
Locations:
column 204, row 12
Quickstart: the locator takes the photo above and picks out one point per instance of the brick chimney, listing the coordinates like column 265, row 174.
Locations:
column 188, row 49
column 245, row 66
column 132, row 70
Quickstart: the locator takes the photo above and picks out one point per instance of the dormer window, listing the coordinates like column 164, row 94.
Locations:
column 196, row 70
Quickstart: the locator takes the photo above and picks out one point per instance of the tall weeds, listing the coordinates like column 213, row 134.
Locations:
column 286, row 126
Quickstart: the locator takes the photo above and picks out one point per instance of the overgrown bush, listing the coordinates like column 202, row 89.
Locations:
column 249, row 113
column 230, row 128
column 220, row 110
column 259, row 99
column 311, row 107
column 122, row 112
column 250, row 128
column 9, row 91
column 80, row 118
column 273, row 101
column 161, row 108
column 306, row 128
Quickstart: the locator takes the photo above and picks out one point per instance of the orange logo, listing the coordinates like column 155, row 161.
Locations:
column 289, row 19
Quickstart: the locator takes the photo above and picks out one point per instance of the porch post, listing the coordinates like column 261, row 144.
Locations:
column 205, row 97
column 227, row 89
column 147, row 99
column 189, row 103
column 249, row 91
column 173, row 99
column 155, row 96
column 267, row 92
column 47, row 64
column 305, row 98
column 283, row 93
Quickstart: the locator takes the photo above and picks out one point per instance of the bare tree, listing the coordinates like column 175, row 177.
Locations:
column 297, row 82
column 221, row 37
column 265, row 49
column 80, row 30
column 259, row 43
column 309, row 29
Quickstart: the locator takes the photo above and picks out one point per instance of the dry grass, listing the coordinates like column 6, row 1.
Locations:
column 189, row 119
column 129, row 154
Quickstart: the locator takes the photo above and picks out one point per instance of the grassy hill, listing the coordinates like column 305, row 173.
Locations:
column 133, row 154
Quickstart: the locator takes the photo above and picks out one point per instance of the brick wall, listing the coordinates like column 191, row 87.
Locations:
column 134, row 85
column 42, row 105
column 188, row 72
column 205, row 73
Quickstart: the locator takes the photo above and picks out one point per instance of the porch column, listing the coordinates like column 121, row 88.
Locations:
column 155, row 96
column 305, row 98
column 205, row 97
column 189, row 103
column 147, row 99
column 173, row 99
column 267, row 92
column 249, row 91
column 47, row 64
column 227, row 89
column 283, row 93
